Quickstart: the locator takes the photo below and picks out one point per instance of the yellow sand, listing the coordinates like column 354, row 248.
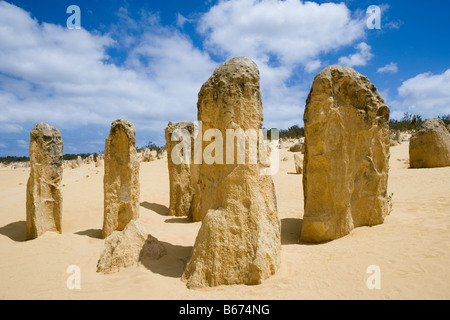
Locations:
column 411, row 247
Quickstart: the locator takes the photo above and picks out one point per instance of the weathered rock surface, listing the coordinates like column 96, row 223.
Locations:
column 430, row 146
column 298, row 147
column 44, row 190
column 346, row 159
column 239, row 239
column 128, row 247
column 147, row 156
column 298, row 162
column 180, row 162
column 121, row 180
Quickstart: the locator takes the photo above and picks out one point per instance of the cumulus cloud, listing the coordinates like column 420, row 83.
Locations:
column 292, row 31
column 181, row 20
column 389, row 68
column 65, row 77
column 426, row 94
column 282, row 37
column 22, row 144
column 360, row 58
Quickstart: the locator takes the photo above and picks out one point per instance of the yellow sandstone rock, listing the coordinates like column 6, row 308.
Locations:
column 179, row 165
column 239, row 239
column 345, row 169
column 44, row 189
column 121, row 180
column 128, row 247
column 430, row 146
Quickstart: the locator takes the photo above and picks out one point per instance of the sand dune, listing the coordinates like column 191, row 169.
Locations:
column 411, row 247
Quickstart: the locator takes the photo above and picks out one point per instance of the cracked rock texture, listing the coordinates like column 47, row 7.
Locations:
column 180, row 164
column 121, row 180
column 239, row 239
column 346, row 161
column 430, row 146
column 44, row 189
column 128, row 248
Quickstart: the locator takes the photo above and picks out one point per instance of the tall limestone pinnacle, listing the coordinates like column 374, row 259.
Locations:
column 121, row 180
column 44, row 190
column 346, row 160
column 239, row 241
column 180, row 169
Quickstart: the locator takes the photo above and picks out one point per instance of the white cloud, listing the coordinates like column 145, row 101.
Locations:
column 283, row 38
column 65, row 77
column 389, row 68
column 426, row 94
column 22, row 144
column 181, row 20
column 313, row 65
column 360, row 58
column 2, row 145
column 10, row 128
column 393, row 25
column 291, row 31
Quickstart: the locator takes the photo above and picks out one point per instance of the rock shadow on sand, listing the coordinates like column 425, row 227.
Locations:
column 156, row 207
column 172, row 264
column 291, row 229
column 16, row 231
column 179, row 220
column 93, row 233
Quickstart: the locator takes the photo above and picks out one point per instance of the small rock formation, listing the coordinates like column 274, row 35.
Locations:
column 395, row 138
column 121, row 180
column 161, row 154
column 98, row 163
column 346, row 159
column 44, row 189
column 239, row 240
column 179, row 164
column 79, row 162
column 90, row 159
column 298, row 147
column 430, row 146
column 298, row 163
column 127, row 248
column 147, row 156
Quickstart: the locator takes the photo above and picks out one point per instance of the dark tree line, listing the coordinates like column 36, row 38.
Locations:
column 412, row 122
column 152, row 146
column 409, row 122
column 293, row 132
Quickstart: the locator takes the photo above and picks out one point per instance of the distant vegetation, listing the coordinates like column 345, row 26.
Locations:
column 446, row 119
column 82, row 155
column 294, row 132
column 8, row 160
column 409, row 122
column 412, row 122
column 152, row 147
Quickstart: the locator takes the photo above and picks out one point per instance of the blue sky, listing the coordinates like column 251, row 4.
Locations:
column 146, row 60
